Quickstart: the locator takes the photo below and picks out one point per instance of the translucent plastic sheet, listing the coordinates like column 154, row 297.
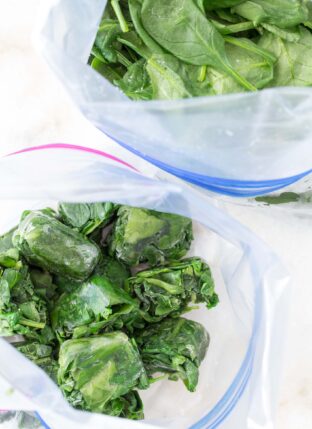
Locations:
column 295, row 199
column 239, row 145
column 19, row 420
column 239, row 377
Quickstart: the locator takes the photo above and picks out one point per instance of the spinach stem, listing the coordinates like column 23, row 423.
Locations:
column 42, row 360
column 173, row 289
column 237, row 28
column 123, row 60
column 251, row 47
column 121, row 19
column 240, row 79
column 202, row 74
column 32, row 323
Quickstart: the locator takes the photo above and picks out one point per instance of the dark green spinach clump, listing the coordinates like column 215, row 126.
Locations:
column 170, row 290
column 141, row 235
column 80, row 288
column 100, row 374
column 46, row 242
column 86, row 218
column 93, row 306
column 160, row 49
column 22, row 310
column 175, row 347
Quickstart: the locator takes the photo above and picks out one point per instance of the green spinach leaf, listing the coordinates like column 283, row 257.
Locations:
column 136, row 82
column 167, row 83
column 308, row 22
column 283, row 13
column 86, row 217
column 228, row 16
column 22, row 310
column 42, row 355
column 283, row 198
column 109, row 71
column 133, row 41
column 106, row 40
column 43, row 283
column 255, row 63
column 135, row 7
column 290, row 34
column 112, row 270
column 294, row 60
column 9, row 256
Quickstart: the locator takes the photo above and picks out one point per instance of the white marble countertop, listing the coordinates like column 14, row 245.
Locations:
column 34, row 109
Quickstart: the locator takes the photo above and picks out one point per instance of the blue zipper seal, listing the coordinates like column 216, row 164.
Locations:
column 43, row 423
column 228, row 187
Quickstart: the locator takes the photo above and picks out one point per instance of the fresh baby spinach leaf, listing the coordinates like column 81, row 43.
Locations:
column 255, row 63
column 294, row 59
column 136, row 83
column 160, row 49
column 283, row 13
column 183, row 30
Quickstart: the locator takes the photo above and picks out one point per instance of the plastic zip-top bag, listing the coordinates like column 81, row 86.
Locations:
column 239, row 145
column 295, row 199
column 239, row 376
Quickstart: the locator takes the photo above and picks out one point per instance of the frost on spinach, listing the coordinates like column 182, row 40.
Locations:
column 173, row 289
column 101, row 374
column 175, row 347
column 165, row 50
column 141, row 235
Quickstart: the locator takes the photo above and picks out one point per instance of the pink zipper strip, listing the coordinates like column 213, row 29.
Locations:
column 74, row 147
